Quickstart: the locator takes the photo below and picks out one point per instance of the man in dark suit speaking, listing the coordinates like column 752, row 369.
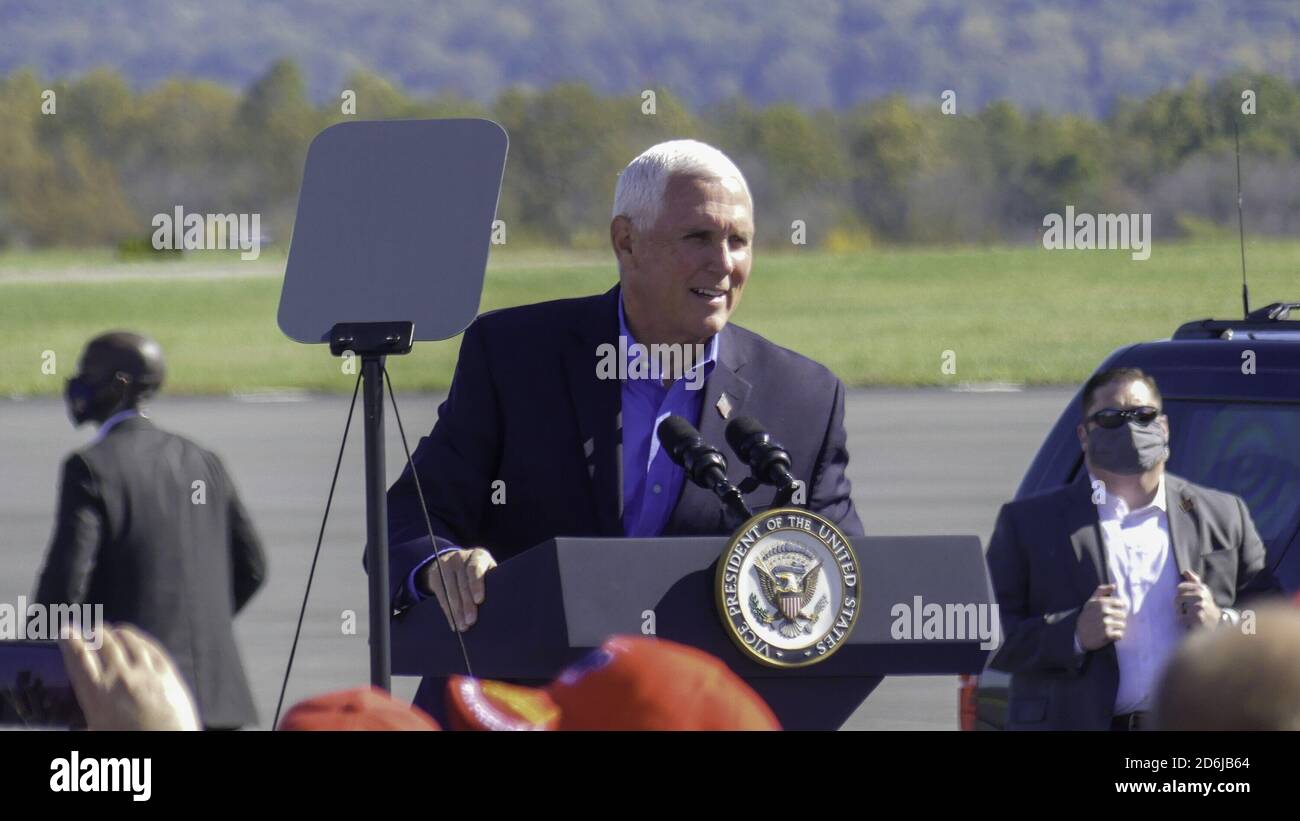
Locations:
column 149, row 525
column 541, row 435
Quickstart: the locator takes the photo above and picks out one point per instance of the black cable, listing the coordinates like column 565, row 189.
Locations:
column 428, row 523
column 316, row 556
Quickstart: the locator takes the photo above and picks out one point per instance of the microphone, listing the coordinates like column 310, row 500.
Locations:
column 704, row 464
column 768, row 461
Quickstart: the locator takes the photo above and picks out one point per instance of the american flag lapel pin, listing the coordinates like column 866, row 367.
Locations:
column 1186, row 504
column 724, row 405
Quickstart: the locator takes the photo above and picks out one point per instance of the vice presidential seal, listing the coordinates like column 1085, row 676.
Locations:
column 788, row 588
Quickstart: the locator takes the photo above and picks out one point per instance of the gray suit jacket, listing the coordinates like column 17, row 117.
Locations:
column 130, row 536
column 1047, row 556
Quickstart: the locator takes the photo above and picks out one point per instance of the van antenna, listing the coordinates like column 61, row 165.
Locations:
column 1241, row 224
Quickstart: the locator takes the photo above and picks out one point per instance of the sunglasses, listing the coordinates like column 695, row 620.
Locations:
column 1114, row 417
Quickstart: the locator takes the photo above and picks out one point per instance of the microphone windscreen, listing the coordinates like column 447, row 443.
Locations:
column 674, row 434
column 741, row 433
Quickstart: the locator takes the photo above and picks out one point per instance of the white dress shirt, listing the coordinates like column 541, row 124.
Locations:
column 1145, row 575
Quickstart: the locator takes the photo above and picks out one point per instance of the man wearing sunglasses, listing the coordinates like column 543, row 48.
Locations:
column 1099, row 581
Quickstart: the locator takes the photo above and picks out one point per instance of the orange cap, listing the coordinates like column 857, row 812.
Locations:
column 628, row 683
column 364, row 708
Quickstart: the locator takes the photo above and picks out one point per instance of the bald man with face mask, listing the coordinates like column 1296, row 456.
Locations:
column 150, row 527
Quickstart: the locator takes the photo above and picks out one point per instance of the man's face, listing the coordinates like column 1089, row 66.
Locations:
column 683, row 276
column 94, row 391
column 1120, row 394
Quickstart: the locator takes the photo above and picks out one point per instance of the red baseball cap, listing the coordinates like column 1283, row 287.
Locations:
column 364, row 708
column 628, row 683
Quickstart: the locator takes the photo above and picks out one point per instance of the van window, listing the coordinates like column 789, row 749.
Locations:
column 1250, row 449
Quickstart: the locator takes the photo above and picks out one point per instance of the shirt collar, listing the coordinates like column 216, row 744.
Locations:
column 710, row 353
column 112, row 421
column 1114, row 506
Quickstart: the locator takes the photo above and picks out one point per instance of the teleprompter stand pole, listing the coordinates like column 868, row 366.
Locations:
column 372, row 342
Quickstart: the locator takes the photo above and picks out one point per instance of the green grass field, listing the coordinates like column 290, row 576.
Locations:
column 879, row 318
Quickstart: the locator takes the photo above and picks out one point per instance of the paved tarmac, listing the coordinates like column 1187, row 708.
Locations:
column 925, row 461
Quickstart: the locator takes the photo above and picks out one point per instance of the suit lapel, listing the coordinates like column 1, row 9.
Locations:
column 1184, row 525
column 597, row 405
column 1084, row 527
column 695, row 504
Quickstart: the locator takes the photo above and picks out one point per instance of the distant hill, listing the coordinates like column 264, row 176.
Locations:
column 1075, row 56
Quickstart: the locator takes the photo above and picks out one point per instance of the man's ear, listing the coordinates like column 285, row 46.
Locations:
column 1082, row 432
column 622, row 238
column 123, row 388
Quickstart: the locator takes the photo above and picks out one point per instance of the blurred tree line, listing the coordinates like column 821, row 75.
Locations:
column 1052, row 55
column 96, row 170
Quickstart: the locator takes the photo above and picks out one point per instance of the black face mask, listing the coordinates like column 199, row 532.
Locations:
column 86, row 401
column 1129, row 449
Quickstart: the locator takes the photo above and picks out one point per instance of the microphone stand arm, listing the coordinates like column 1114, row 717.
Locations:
column 733, row 503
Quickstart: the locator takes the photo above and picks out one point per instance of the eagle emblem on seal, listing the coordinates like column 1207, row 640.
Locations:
column 789, row 584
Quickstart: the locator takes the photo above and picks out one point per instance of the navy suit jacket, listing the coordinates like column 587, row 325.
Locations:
column 526, row 407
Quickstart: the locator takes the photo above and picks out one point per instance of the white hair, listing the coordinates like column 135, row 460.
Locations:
column 640, row 192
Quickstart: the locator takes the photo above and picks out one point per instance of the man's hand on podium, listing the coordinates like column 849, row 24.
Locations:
column 464, row 571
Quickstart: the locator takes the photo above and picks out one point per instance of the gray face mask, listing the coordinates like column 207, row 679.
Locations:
column 1129, row 449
